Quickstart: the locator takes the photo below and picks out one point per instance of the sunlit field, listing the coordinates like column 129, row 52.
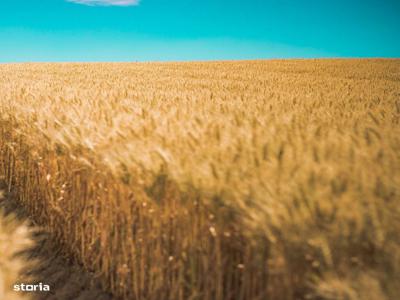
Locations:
column 15, row 237
column 218, row 180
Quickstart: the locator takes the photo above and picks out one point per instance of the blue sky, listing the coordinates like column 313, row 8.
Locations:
column 162, row 30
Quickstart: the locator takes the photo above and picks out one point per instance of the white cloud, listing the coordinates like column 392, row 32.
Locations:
column 106, row 2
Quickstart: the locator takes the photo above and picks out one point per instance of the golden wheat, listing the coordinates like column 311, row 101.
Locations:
column 223, row 180
column 15, row 237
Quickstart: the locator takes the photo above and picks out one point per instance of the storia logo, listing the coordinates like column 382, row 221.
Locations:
column 31, row 287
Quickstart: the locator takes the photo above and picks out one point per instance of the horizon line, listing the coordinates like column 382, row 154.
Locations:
column 208, row 60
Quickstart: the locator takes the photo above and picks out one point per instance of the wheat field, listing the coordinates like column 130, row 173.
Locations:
column 213, row 180
column 15, row 237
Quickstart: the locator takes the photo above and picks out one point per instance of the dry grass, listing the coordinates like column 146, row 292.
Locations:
column 230, row 180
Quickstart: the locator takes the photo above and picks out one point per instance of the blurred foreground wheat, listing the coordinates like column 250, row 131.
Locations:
column 223, row 180
column 15, row 237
